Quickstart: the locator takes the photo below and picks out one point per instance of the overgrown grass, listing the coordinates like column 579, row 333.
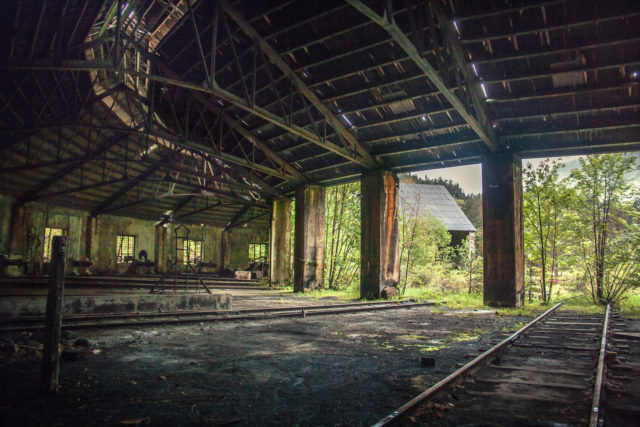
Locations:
column 451, row 299
column 351, row 293
column 572, row 300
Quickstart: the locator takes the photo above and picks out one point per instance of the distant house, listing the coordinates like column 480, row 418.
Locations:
column 425, row 199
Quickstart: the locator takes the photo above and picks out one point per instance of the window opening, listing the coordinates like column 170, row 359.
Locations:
column 257, row 253
column 192, row 251
column 125, row 248
column 49, row 234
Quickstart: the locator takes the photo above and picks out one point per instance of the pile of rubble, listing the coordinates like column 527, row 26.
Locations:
column 26, row 347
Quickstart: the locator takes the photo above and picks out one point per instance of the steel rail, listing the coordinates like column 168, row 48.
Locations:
column 395, row 415
column 199, row 316
column 106, row 316
column 595, row 406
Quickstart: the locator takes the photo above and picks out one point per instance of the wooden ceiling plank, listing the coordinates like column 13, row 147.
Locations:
column 275, row 58
column 402, row 41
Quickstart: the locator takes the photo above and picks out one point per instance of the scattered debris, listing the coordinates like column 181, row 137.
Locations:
column 135, row 422
column 388, row 292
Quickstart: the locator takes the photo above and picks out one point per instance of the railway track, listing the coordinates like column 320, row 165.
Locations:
column 550, row 372
column 90, row 321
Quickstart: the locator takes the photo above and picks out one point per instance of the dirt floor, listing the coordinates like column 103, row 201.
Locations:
column 348, row 369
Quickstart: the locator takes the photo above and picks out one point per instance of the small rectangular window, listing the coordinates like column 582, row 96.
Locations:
column 192, row 251
column 49, row 234
column 125, row 248
column 257, row 253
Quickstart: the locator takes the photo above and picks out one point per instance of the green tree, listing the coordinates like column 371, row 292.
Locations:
column 470, row 263
column 544, row 206
column 342, row 234
column 606, row 225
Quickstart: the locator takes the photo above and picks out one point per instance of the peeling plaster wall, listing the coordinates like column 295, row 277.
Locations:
column 103, row 245
column 28, row 237
column 32, row 219
column 238, row 251
column 5, row 218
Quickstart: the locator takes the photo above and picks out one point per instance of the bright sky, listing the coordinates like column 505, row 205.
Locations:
column 470, row 177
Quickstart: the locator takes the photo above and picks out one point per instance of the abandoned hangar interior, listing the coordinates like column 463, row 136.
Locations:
column 126, row 118
column 154, row 133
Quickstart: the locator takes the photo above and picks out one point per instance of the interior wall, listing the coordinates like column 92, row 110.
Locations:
column 103, row 242
column 32, row 219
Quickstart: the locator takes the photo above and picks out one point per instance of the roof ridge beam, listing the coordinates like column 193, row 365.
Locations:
column 302, row 86
column 432, row 74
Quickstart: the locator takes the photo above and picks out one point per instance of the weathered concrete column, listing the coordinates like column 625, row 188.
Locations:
column 379, row 260
column 502, row 230
column 280, row 251
column 308, row 264
column 224, row 246
column 88, row 237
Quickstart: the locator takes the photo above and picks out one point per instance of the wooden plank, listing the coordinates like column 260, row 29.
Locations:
column 53, row 319
column 302, row 86
column 432, row 74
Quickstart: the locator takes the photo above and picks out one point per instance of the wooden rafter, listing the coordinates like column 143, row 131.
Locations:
column 335, row 122
column 432, row 74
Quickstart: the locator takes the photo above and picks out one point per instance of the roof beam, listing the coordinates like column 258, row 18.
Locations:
column 197, row 211
column 103, row 207
column 236, row 217
column 184, row 202
column 92, row 65
column 237, row 223
column 399, row 37
column 302, row 86
column 251, row 108
column 459, row 55
column 33, row 194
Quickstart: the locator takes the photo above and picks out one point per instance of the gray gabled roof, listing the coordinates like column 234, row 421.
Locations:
column 435, row 200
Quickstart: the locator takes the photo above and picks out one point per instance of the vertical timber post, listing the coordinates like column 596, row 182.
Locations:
column 503, row 243
column 379, row 260
column 53, row 319
column 88, row 237
column 280, row 241
column 308, row 264
column 224, row 246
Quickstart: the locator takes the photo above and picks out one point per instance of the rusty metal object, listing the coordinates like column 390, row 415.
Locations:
column 404, row 409
column 142, row 319
column 595, row 407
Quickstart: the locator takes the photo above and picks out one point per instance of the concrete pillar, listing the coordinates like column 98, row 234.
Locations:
column 280, row 250
column 88, row 236
column 503, row 244
column 308, row 268
column 160, row 248
column 380, row 261
column 224, row 248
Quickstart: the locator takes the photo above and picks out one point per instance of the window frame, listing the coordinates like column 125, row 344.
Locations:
column 198, row 245
column 120, row 257
column 263, row 252
column 47, row 242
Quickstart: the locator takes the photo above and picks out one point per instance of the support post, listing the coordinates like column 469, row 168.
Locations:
column 503, row 243
column 224, row 245
column 379, row 260
column 88, row 237
column 53, row 319
column 308, row 265
column 280, row 241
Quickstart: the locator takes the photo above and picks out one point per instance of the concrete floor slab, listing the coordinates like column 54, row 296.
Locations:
column 348, row 369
